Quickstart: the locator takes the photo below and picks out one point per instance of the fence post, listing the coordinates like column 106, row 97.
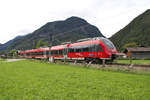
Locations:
column 103, row 62
column 131, row 65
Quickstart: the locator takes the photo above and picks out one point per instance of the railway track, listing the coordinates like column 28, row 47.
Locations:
column 111, row 65
column 135, row 65
column 107, row 64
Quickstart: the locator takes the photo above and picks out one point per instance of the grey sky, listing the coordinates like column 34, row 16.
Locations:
column 19, row 17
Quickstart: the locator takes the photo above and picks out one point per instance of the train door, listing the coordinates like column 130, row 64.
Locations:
column 65, row 53
column 96, row 50
column 93, row 51
column 25, row 55
column 44, row 54
column 51, row 58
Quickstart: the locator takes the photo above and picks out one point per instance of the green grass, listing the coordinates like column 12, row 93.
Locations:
column 32, row 80
column 2, row 60
column 146, row 62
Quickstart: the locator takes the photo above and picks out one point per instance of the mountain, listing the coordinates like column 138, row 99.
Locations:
column 10, row 43
column 71, row 29
column 136, row 32
column 1, row 45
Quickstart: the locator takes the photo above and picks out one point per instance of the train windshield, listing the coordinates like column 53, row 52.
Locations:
column 107, row 43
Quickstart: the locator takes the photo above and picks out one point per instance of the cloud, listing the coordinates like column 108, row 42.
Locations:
column 19, row 17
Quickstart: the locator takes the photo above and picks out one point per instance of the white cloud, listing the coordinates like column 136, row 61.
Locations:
column 18, row 17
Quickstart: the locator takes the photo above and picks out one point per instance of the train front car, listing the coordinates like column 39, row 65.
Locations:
column 92, row 49
column 109, row 50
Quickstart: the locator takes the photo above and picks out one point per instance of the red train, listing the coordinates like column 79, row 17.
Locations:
column 91, row 49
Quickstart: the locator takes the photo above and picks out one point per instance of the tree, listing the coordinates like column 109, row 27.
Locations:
column 132, row 44
column 12, row 52
column 1, row 52
column 40, row 43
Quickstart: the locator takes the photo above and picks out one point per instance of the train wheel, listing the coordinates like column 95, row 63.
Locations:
column 98, row 61
column 87, row 60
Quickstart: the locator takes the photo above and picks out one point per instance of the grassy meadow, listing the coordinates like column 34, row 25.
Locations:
column 125, row 61
column 2, row 59
column 33, row 80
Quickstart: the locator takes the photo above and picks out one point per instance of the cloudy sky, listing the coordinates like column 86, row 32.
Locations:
column 19, row 17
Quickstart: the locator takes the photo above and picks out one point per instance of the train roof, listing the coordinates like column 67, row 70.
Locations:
column 59, row 47
column 82, row 42
column 35, row 50
column 85, row 43
column 89, row 39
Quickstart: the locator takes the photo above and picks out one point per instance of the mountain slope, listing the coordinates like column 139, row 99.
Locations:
column 138, row 31
column 71, row 29
column 10, row 42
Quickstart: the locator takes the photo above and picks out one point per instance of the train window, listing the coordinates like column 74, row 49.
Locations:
column 57, row 52
column 78, row 50
column 51, row 52
column 35, row 53
column 38, row 53
column 107, row 43
column 54, row 52
column 60, row 52
column 91, row 48
column 47, row 52
column 42, row 53
column 94, row 48
column 98, row 48
column 85, row 49
column 71, row 50
column 31, row 54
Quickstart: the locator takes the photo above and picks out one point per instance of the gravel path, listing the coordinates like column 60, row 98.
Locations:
column 12, row 60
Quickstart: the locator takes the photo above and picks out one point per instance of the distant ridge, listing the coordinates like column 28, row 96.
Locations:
column 137, row 32
column 71, row 29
